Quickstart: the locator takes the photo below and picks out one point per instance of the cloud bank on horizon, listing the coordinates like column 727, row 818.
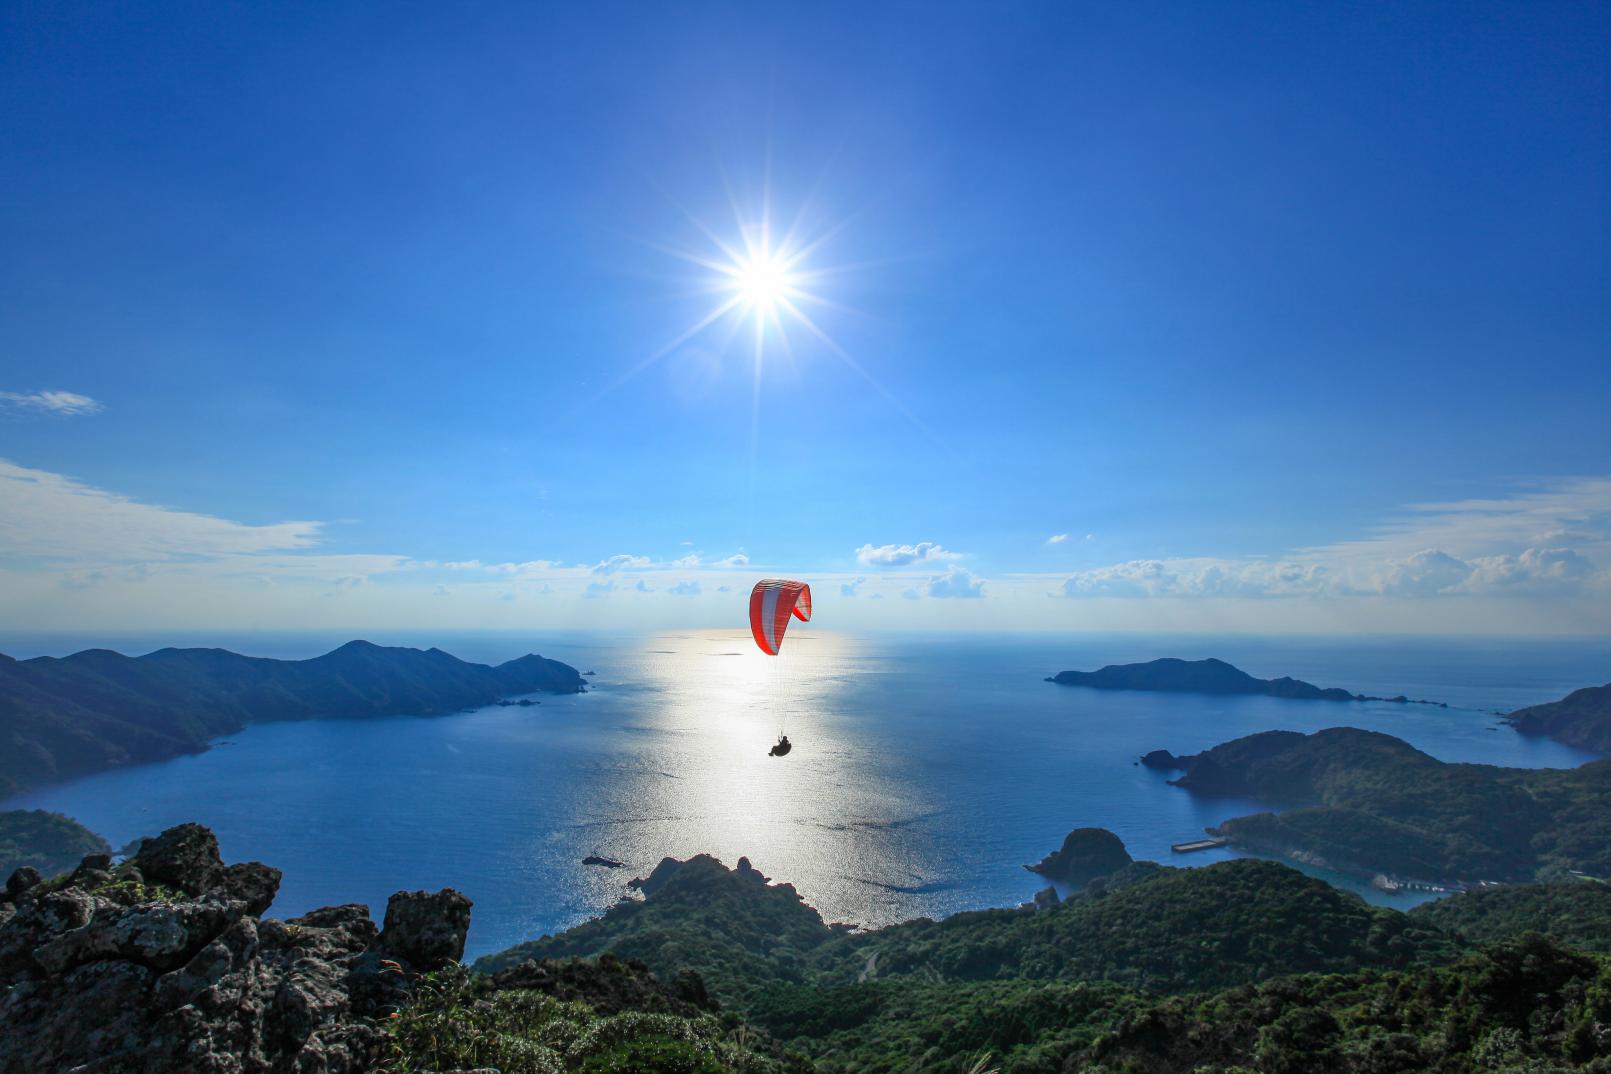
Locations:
column 72, row 555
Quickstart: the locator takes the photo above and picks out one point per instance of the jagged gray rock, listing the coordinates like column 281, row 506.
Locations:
column 103, row 976
column 184, row 857
column 21, row 879
column 426, row 929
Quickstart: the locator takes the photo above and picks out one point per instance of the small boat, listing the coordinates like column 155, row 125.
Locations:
column 608, row 863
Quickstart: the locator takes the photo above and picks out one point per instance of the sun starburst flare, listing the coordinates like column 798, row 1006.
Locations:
column 764, row 283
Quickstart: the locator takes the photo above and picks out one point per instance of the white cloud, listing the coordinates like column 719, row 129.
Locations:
column 1501, row 546
column 1202, row 577
column 1423, row 574
column 1057, row 538
column 1468, row 548
column 643, row 586
column 848, row 589
column 598, row 589
column 903, row 555
column 737, row 559
column 52, row 517
column 724, row 589
column 687, row 588
column 622, row 563
column 1536, row 570
column 64, row 404
column 911, row 594
column 956, row 582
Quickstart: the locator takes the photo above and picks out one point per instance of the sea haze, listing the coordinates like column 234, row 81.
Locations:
column 926, row 770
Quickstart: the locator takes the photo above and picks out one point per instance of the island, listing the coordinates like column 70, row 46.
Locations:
column 1367, row 803
column 1086, row 853
column 97, row 709
column 1582, row 718
column 1170, row 675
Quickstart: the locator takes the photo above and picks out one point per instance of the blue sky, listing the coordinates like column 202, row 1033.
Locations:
column 1280, row 316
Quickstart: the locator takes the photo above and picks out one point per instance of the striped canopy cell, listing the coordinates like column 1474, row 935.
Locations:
column 772, row 602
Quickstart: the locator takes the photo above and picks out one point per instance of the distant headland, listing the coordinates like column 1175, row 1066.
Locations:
column 1366, row 803
column 94, row 710
column 1582, row 718
column 1172, row 675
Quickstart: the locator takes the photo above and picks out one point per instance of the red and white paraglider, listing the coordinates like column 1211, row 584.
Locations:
column 774, row 603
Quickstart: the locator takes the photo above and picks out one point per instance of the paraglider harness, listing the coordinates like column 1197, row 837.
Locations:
column 783, row 747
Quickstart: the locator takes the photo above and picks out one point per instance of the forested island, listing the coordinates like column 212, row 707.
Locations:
column 1365, row 802
column 1171, row 675
column 97, row 709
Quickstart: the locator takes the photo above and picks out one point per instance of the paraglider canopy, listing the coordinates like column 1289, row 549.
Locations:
column 772, row 602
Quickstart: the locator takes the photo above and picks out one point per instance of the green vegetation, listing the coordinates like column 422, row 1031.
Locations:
column 1526, row 1007
column 457, row 1022
column 1574, row 912
column 1175, row 930
column 889, row 1027
column 45, row 841
column 1237, row 967
column 1369, row 802
column 735, row 930
column 1145, row 927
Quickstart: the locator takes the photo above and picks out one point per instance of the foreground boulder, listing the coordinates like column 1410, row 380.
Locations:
column 164, row 964
column 425, row 929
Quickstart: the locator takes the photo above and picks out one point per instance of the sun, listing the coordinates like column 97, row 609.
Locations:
column 762, row 281
column 770, row 281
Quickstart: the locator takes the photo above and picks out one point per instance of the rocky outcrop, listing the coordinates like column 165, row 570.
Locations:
column 425, row 929
column 164, row 964
column 1086, row 854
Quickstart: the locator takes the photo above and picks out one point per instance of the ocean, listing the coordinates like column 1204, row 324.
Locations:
column 926, row 770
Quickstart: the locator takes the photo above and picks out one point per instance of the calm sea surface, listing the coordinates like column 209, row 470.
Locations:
column 926, row 770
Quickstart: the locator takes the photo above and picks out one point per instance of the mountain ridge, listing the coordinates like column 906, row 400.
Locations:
column 62, row 717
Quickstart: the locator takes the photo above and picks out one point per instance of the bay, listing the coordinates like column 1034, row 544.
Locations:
column 927, row 768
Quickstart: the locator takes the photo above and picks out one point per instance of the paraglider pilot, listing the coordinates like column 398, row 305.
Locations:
column 783, row 747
